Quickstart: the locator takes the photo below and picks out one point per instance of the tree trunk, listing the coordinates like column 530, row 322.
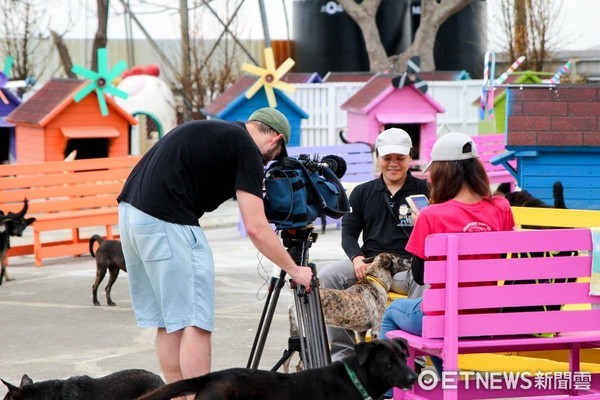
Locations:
column 186, row 74
column 364, row 16
column 63, row 54
column 100, row 39
column 433, row 14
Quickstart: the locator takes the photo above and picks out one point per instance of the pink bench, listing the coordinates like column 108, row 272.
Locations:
column 467, row 319
column 488, row 146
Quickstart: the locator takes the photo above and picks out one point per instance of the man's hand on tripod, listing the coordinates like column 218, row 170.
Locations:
column 302, row 276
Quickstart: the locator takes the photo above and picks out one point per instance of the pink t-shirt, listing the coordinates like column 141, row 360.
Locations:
column 490, row 214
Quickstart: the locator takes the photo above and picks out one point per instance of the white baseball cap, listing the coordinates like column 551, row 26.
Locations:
column 453, row 146
column 393, row 141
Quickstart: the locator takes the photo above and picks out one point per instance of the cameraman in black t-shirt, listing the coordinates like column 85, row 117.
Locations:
column 192, row 170
column 380, row 213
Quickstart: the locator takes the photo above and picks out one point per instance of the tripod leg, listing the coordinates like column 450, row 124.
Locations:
column 293, row 346
column 265, row 322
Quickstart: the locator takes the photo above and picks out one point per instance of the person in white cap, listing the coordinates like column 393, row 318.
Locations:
column 380, row 213
column 191, row 171
column 461, row 201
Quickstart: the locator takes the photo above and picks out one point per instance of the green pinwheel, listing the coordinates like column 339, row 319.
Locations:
column 100, row 81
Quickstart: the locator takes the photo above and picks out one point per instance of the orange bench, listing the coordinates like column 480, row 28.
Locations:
column 64, row 196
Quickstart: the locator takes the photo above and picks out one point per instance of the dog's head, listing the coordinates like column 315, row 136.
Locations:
column 389, row 262
column 14, row 392
column 385, row 360
column 15, row 223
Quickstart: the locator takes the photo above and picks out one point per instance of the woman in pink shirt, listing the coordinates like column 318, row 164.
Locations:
column 461, row 201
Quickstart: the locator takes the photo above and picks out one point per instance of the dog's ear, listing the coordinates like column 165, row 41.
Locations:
column 368, row 260
column 363, row 350
column 403, row 345
column 26, row 380
column 8, row 385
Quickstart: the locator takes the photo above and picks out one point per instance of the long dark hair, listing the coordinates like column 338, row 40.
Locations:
column 448, row 177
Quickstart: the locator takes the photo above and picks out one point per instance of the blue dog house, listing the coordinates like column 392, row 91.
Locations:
column 554, row 136
column 8, row 149
column 232, row 105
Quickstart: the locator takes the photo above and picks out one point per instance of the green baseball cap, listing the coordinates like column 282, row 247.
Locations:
column 277, row 121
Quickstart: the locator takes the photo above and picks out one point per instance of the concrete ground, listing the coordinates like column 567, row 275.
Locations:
column 49, row 328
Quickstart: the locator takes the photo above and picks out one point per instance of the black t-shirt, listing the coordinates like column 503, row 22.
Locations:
column 193, row 169
column 385, row 227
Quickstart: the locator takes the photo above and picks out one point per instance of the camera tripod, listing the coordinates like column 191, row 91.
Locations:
column 311, row 342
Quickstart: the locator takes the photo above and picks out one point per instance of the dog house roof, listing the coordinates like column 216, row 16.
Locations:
column 230, row 99
column 377, row 89
column 52, row 99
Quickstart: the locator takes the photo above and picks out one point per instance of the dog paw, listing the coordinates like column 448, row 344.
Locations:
column 96, row 303
column 112, row 304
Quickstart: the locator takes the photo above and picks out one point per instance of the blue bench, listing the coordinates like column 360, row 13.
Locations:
column 360, row 167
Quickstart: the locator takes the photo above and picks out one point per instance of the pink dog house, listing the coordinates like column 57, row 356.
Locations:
column 379, row 106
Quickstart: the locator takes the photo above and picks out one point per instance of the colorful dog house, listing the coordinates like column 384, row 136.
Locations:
column 379, row 106
column 7, row 129
column 50, row 125
column 554, row 135
column 232, row 105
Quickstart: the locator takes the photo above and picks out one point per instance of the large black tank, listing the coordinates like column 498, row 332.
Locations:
column 327, row 39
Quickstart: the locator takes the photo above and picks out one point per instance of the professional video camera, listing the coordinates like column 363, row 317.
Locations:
column 300, row 190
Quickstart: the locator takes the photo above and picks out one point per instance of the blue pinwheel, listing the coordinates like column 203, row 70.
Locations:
column 100, row 81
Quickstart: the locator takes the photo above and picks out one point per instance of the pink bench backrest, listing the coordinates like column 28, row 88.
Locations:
column 474, row 310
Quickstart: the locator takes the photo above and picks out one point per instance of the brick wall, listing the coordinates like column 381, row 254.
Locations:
column 568, row 115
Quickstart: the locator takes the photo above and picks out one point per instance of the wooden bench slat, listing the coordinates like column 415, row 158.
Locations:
column 23, row 182
column 518, row 295
column 497, row 324
column 39, row 193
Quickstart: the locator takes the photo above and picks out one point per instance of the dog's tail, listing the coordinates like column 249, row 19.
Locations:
column 93, row 239
column 559, row 196
column 176, row 389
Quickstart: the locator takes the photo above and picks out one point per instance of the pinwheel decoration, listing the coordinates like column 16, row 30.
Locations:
column 413, row 67
column 561, row 71
column 100, row 81
column 270, row 77
column 487, row 91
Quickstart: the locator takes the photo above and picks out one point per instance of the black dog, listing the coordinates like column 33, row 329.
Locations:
column 11, row 224
column 375, row 368
column 123, row 385
column 108, row 257
column 523, row 198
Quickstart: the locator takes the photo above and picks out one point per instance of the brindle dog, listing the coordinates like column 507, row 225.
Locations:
column 361, row 306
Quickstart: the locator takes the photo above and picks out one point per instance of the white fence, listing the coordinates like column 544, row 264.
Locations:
column 322, row 102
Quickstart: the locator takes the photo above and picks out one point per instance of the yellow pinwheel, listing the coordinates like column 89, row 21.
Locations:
column 270, row 77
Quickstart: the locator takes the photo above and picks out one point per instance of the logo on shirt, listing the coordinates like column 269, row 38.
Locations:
column 477, row 227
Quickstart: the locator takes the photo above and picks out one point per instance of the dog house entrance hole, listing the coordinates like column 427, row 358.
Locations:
column 4, row 144
column 88, row 148
column 414, row 131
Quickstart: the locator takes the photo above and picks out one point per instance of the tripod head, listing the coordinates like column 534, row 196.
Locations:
column 297, row 241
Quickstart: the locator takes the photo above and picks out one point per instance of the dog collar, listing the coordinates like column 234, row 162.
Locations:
column 357, row 384
column 377, row 280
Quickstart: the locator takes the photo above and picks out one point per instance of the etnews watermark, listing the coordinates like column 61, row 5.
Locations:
column 429, row 380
